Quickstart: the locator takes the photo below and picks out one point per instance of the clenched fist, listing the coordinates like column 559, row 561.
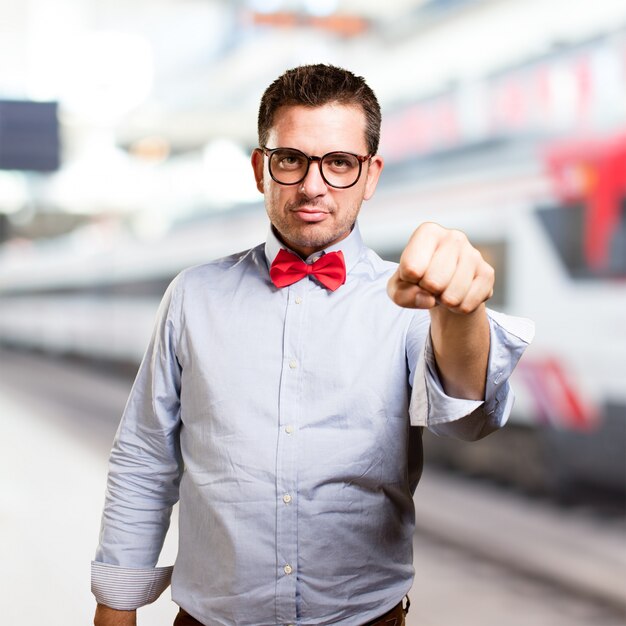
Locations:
column 440, row 266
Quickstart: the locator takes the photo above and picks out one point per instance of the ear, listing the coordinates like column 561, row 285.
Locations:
column 258, row 166
column 374, row 169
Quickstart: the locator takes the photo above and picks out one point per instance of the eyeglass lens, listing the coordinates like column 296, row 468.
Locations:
column 339, row 169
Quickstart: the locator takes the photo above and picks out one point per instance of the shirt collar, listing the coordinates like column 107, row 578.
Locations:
column 351, row 247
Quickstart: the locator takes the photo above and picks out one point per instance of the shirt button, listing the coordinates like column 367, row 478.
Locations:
column 289, row 429
column 287, row 569
column 293, row 364
column 286, row 498
column 298, row 300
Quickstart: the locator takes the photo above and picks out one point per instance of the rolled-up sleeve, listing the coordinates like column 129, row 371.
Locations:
column 145, row 467
column 471, row 419
column 125, row 588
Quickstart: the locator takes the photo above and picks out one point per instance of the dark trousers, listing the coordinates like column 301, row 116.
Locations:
column 395, row 617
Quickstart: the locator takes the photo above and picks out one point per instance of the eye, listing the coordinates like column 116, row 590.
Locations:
column 339, row 162
column 289, row 160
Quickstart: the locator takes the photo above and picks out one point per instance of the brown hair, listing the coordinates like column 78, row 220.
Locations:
column 317, row 85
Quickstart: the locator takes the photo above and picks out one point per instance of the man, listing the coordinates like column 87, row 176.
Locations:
column 283, row 393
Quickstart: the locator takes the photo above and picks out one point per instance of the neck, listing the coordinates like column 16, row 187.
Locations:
column 305, row 251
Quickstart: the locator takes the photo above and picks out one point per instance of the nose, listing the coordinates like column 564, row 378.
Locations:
column 313, row 184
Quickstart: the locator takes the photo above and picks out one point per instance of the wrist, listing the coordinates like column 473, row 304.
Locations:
column 106, row 616
column 460, row 345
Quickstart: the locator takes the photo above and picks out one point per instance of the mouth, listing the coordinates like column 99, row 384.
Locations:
column 310, row 214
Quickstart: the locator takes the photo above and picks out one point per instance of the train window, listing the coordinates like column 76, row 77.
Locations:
column 587, row 246
column 141, row 288
column 495, row 253
column 147, row 288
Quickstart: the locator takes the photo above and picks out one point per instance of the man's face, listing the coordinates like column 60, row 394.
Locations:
column 312, row 215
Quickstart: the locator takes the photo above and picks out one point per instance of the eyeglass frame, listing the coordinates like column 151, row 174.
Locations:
column 361, row 159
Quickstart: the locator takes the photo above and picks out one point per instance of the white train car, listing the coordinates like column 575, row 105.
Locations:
column 94, row 293
column 490, row 157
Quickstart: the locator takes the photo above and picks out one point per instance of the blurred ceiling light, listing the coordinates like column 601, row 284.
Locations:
column 13, row 192
column 321, row 8
column 46, row 31
column 150, row 149
column 265, row 6
column 336, row 24
column 229, row 177
column 107, row 75
column 563, row 91
column 150, row 225
column 102, row 178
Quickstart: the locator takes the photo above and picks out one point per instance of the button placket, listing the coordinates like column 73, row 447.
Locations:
column 286, row 462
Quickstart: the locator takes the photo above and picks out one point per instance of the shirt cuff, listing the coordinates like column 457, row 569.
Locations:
column 127, row 589
column 430, row 406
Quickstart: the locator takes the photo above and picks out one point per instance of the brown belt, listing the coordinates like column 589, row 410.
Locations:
column 395, row 617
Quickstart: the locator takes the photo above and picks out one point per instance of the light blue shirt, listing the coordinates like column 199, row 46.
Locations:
column 281, row 419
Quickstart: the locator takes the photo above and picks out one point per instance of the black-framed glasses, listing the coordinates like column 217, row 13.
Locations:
column 289, row 166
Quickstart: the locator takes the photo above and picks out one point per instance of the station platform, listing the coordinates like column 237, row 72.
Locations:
column 484, row 556
column 52, row 480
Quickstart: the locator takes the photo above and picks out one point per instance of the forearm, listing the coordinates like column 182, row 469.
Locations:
column 465, row 418
column 142, row 488
column 106, row 616
column 461, row 349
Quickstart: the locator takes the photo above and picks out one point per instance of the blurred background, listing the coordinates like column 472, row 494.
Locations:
column 125, row 135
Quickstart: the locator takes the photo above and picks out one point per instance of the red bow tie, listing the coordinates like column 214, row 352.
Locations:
column 329, row 269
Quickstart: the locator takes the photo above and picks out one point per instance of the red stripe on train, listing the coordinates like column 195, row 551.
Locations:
column 554, row 395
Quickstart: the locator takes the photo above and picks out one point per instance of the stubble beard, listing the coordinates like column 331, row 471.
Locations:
column 313, row 235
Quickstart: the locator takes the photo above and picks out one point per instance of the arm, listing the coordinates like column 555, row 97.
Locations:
column 145, row 467
column 106, row 616
column 461, row 350
column 460, row 366
column 462, row 418
column 441, row 271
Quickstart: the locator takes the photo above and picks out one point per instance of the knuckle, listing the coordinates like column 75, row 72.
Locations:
column 429, row 226
column 489, row 273
column 466, row 308
column 476, row 256
column 458, row 236
column 451, row 301
column 432, row 285
column 408, row 270
column 429, row 229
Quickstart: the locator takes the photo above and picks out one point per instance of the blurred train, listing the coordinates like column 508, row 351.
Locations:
column 551, row 220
